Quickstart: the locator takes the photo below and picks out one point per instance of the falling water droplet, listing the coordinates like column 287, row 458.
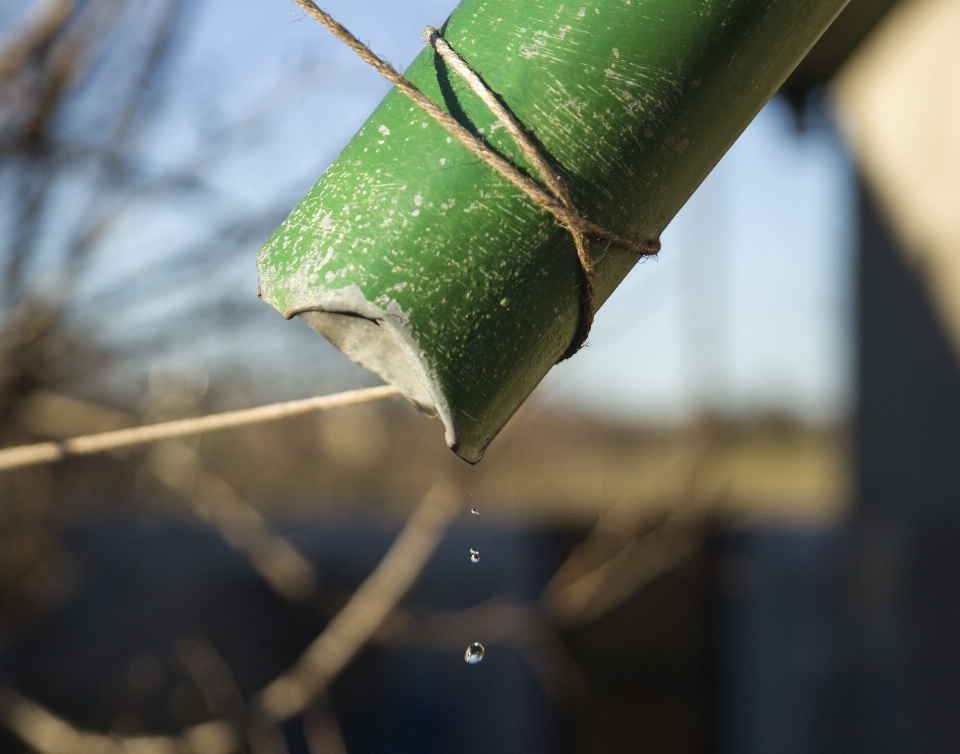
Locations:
column 474, row 555
column 475, row 512
column 474, row 653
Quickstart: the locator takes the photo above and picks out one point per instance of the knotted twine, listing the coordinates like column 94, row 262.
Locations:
column 554, row 197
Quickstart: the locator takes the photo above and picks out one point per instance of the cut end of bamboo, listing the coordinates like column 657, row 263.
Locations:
column 386, row 348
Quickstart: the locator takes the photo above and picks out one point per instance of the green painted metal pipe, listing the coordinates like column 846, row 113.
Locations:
column 425, row 266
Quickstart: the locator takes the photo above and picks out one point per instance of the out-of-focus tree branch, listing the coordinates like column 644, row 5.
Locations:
column 83, row 86
column 209, row 496
column 35, row 28
column 587, row 596
column 213, row 677
column 46, row 733
column 322, row 732
column 291, row 693
column 239, row 523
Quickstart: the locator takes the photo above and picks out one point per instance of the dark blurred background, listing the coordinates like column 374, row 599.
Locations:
column 729, row 525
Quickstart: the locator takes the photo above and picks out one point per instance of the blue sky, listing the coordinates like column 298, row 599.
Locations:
column 748, row 307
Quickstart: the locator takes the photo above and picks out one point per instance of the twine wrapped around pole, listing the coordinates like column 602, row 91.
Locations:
column 556, row 200
column 562, row 208
column 446, row 277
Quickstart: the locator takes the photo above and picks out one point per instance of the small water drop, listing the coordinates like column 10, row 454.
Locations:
column 474, row 653
column 474, row 555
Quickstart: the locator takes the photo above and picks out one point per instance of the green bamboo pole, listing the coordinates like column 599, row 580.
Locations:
column 425, row 266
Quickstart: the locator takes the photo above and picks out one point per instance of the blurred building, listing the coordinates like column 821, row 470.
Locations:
column 899, row 103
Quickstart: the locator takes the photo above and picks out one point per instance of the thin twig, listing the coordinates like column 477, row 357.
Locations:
column 48, row 452
column 241, row 526
column 624, row 574
column 39, row 24
column 291, row 693
column 47, row 733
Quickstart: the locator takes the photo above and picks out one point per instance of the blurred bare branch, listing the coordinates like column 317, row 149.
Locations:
column 38, row 24
column 239, row 523
column 627, row 550
column 212, row 676
column 584, row 597
column 48, row 734
column 322, row 732
column 370, row 604
column 179, row 467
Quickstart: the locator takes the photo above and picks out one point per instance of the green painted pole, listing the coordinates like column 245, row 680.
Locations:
column 425, row 266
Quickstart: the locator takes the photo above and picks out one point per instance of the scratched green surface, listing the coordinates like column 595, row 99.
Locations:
column 636, row 99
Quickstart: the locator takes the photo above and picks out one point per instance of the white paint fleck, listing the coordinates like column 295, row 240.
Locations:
column 582, row 12
column 616, row 52
column 326, row 258
column 384, row 130
column 418, row 199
